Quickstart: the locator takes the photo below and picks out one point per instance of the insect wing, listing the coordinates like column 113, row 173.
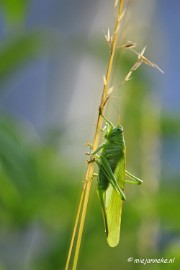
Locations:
column 113, row 205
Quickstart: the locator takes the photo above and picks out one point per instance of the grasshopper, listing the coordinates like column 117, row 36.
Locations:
column 111, row 179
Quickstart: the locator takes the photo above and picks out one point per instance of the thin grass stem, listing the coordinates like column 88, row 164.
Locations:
column 80, row 217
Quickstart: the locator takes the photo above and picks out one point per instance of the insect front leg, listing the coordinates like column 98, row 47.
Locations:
column 98, row 149
column 91, row 154
column 95, row 151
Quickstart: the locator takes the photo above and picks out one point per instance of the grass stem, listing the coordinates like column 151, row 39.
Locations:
column 82, row 208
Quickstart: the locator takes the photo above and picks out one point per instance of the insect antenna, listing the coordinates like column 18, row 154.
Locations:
column 119, row 119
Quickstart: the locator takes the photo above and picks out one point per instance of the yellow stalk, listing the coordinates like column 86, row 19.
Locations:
column 80, row 217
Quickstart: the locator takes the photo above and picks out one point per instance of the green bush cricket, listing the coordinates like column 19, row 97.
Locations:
column 111, row 179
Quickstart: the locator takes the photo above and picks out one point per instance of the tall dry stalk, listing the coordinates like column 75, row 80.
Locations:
column 81, row 213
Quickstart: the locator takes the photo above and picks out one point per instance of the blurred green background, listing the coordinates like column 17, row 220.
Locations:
column 52, row 58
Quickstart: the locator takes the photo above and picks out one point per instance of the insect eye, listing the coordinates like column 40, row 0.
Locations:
column 120, row 129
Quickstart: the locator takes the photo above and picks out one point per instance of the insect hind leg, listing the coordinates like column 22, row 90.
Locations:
column 105, row 165
column 135, row 180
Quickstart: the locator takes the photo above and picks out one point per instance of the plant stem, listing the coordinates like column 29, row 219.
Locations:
column 88, row 178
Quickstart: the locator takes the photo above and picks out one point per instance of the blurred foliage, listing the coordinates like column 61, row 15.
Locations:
column 15, row 52
column 39, row 191
column 35, row 188
column 18, row 45
column 170, row 125
column 14, row 11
